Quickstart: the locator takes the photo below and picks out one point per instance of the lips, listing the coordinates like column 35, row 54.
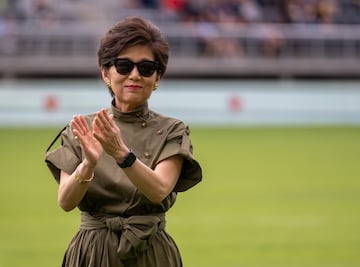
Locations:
column 133, row 87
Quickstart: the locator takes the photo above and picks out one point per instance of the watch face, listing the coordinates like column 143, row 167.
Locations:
column 129, row 160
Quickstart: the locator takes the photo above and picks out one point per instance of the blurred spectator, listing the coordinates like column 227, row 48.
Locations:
column 206, row 15
column 7, row 38
column 328, row 10
column 223, row 47
column 250, row 11
column 301, row 11
column 150, row 4
column 355, row 12
column 42, row 11
column 13, row 10
column 272, row 40
column 132, row 4
column 173, row 6
column 26, row 10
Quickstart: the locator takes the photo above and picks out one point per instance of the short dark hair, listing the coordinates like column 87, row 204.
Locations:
column 134, row 31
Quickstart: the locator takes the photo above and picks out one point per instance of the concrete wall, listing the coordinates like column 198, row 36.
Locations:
column 210, row 103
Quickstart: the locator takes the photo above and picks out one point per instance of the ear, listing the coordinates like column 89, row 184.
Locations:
column 105, row 75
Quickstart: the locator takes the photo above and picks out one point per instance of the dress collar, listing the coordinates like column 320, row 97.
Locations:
column 137, row 115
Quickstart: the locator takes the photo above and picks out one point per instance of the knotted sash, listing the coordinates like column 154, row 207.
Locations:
column 132, row 234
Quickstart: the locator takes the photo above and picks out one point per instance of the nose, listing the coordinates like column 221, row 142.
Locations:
column 134, row 73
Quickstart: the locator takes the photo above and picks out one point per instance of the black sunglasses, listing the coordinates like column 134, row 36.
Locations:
column 124, row 66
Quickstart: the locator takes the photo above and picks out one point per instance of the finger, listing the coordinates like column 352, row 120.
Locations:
column 104, row 119
column 100, row 138
column 94, row 125
column 75, row 124
column 108, row 117
column 81, row 121
column 104, row 116
column 97, row 124
column 97, row 133
column 80, row 124
column 111, row 119
column 79, row 137
column 84, row 125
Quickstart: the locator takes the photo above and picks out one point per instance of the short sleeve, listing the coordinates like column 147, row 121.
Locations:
column 179, row 143
column 66, row 157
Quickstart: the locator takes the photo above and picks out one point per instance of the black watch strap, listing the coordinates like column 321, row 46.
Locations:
column 128, row 161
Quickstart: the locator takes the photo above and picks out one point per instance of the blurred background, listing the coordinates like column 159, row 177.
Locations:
column 208, row 38
column 273, row 85
column 252, row 61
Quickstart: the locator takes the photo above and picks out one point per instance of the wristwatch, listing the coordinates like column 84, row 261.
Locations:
column 128, row 161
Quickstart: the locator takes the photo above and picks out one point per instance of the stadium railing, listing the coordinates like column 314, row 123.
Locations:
column 258, row 50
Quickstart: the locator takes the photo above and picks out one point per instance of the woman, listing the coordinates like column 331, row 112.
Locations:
column 123, row 166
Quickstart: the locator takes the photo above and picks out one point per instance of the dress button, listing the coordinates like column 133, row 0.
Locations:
column 147, row 155
column 159, row 132
column 143, row 124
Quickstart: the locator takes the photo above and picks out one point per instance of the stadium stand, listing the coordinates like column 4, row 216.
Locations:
column 208, row 38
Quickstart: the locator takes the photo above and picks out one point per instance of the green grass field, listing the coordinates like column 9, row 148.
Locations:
column 270, row 197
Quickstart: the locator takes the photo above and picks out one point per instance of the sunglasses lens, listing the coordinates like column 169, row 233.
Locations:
column 146, row 68
column 124, row 66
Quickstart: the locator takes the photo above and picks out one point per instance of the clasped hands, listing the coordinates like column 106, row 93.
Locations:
column 104, row 136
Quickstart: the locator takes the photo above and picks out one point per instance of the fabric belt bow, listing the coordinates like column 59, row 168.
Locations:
column 132, row 234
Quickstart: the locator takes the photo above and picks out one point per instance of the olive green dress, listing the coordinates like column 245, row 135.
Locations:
column 119, row 225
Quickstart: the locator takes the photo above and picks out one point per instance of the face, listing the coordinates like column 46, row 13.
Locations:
column 131, row 90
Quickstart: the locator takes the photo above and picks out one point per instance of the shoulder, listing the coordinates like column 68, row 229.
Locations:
column 173, row 127
column 167, row 121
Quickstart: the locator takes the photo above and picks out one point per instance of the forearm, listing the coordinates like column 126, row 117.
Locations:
column 147, row 181
column 72, row 189
column 156, row 184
